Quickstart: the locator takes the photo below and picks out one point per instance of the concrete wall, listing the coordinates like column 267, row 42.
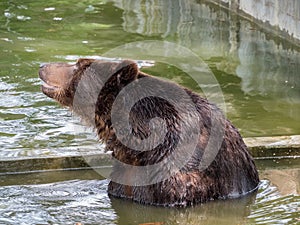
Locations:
column 282, row 14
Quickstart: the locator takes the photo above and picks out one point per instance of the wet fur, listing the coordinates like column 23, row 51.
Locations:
column 231, row 174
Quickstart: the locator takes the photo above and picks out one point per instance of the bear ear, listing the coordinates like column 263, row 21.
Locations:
column 127, row 70
column 83, row 63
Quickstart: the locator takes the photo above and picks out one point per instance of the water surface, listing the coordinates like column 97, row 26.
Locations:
column 68, row 197
column 257, row 71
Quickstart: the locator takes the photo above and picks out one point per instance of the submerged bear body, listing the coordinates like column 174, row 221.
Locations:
column 187, row 161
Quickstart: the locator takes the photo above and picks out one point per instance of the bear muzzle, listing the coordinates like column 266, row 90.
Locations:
column 56, row 77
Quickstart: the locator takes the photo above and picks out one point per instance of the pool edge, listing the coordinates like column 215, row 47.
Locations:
column 260, row 147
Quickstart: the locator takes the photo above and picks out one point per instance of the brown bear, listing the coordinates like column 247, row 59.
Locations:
column 174, row 148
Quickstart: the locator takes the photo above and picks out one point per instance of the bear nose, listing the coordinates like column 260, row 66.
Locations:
column 42, row 65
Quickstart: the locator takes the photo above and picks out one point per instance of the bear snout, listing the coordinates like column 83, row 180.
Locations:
column 42, row 65
column 57, row 78
column 56, row 75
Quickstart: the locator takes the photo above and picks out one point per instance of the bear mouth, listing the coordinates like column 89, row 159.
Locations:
column 50, row 90
column 47, row 87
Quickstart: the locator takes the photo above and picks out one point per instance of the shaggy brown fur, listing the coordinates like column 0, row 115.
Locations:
column 231, row 174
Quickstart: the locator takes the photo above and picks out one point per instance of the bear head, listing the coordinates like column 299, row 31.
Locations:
column 61, row 79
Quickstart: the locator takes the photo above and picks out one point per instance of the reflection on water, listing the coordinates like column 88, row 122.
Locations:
column 272, row 208
column 81, row 196
column 219, row 212
column 267, row 68
column 257, row 71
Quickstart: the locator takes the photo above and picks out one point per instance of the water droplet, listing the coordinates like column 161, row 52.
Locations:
column 57, row 18
column 49, row 9
column 8, row 14
column 6, row 39
column 28, row 49
column 90, row 8
column 23, row 18
column 26, row 38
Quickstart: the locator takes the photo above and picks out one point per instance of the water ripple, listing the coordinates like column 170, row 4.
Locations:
column 65, row 202
column 272, row 208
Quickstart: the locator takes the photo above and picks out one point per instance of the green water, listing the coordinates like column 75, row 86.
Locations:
column 67, row 197
column 257, row 71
